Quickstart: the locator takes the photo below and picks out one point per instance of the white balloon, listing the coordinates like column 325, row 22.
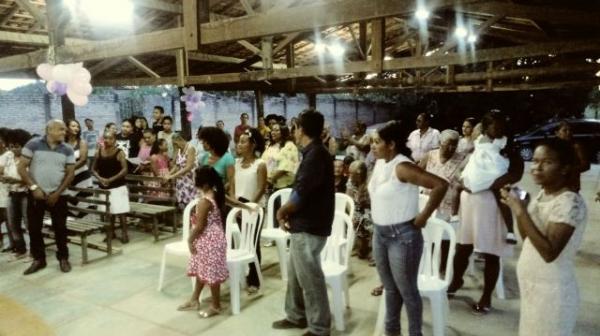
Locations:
column 49, row 85
column 77, row 100
column 81, row 89
column 81, row 75
column 44, row 70
column 62, row 73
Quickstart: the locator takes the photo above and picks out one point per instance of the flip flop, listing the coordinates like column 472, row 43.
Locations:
column 209, row 312
column 377, row 291
column 190, row 305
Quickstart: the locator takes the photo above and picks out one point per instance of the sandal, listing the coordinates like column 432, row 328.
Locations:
column 453, row 288
column 377, row 291
column 480, row 310
column 209, row 312
column 189, row 305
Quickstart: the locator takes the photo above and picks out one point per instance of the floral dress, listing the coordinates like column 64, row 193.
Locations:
column 549, row 292
column 449, row 171
column 163, row 170
column 363, row 224
column 185, row 188
column 209, row 264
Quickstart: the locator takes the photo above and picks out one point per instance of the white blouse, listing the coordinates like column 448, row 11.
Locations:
column 392, row 201
column 246, row 180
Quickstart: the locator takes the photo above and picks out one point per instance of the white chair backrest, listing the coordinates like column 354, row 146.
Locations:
column 433, row 233
column 283, row 195
column 250, row 221
column 338, row 247
column 344, row 203
column 187, row 219
column 423, row 199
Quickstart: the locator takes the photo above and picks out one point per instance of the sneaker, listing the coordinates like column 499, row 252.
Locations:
column 64, row 265
column 287, row 324
column 36, row 265
column 511, row 238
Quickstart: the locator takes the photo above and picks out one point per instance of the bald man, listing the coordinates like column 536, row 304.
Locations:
column 46, row 167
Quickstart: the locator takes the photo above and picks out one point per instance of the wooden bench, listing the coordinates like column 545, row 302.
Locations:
column 145, row 204
column 79, row 229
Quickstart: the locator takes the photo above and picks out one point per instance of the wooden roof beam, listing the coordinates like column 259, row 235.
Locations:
column 125, row 46
column 541, row 12
column 34, row 39
column 15, row 8
column 33, row 10
column 305, row 18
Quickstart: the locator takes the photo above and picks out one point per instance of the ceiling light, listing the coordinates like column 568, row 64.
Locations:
column 336, row 49
column 422, row 14
column 370, row 76
column 389, row 58
column 461, row 32
column 320, row 48
column 104, row 12
column 598, row 74
column 472, row 38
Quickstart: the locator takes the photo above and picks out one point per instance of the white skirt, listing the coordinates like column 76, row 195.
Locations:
column 119, row 201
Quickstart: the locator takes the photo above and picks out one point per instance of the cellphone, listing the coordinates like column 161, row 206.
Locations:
column 520, row 193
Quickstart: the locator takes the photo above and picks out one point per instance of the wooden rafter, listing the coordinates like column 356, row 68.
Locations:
column 159, row 5
column 33, row 10
column 14, row 9
column 304, row 18
column 138, row 64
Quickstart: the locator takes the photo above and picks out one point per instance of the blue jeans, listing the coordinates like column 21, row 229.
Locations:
column 17, row 214
column 397, row 249
column 306, row 295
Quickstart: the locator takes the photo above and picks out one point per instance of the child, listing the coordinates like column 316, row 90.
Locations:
column 340, row 178
column 159, row 164
column 357, row 190
column 208, row 247
column 487, row 164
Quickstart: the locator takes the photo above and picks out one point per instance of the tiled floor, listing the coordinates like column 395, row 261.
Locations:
column 118, row 296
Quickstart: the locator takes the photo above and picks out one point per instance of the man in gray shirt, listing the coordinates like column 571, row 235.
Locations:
column 46, row 168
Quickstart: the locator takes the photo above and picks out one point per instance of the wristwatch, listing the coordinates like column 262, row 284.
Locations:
column 33, row 187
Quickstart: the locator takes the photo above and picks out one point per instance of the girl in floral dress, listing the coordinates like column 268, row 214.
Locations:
column 207, row 243
column 183, row 171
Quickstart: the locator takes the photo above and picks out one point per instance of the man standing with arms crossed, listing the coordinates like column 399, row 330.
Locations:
column 46, row 168
column 308, row 216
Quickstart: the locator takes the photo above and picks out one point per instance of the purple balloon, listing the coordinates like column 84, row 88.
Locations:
column 60, row 88
column 195, row 99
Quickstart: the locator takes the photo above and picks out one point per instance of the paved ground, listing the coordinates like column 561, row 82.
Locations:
column 119, row 297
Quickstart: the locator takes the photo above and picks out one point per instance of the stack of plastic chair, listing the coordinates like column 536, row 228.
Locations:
column 335, row 259
column 430, row 282
column 272, row 233
column 179, row 248
column 244, row 252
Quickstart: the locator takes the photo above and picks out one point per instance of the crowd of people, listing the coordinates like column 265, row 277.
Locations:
column 468, row 178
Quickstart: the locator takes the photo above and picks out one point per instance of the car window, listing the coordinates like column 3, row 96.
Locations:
column 586, row 128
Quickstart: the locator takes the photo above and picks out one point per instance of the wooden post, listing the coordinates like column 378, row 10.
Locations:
column 260, row 104
column 489, row 82
column 56, row 38
column 186, row 125
column 312, row 100
column 377, row 44
column 290, row 62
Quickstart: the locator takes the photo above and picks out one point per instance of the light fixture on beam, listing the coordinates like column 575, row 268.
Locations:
column 461, row 32
column 336, row 49
column 106, row 12
column 320, row 48
column 472, row 38
column 389, row 58
column 422, row 14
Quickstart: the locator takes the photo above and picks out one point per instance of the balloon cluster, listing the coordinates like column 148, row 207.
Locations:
column 193, row 101
column 71, row 79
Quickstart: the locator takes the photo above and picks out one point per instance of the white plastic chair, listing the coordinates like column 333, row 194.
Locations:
column 335, row 259
column 430, row 283
column 244, row 253
column 179, row 248
column 271, row 233
column 344, row 203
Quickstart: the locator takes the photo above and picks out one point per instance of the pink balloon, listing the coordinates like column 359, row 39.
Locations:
column 81, row 88
column 44, row 70
column 62, row 73
column 190, row 116
column 76, row 99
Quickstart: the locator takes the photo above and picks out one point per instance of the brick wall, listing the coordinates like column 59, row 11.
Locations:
column 31, row 110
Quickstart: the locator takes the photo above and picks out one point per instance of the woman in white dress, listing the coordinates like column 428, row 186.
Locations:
column 552, row 230
column 250, row 185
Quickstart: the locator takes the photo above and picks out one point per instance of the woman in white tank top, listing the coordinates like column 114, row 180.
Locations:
column 397, row 238
column 250, row 183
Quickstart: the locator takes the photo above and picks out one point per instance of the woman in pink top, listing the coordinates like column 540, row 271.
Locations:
column 159, row 164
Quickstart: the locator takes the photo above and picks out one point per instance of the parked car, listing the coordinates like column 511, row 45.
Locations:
column 585, row 131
